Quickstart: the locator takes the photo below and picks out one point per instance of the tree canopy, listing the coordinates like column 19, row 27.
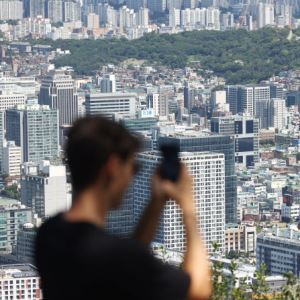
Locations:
column 239, row 56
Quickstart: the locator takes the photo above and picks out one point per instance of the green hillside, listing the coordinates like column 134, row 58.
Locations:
column 239, row 56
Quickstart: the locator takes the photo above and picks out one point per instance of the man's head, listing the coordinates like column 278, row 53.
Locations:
column 100, row 155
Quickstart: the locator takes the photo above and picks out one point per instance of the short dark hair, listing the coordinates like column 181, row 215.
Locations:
column 90, row 143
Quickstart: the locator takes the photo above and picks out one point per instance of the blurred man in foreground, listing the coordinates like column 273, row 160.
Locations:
column 77, row 259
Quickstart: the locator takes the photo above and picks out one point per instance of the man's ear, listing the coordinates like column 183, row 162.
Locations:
column 112, row 166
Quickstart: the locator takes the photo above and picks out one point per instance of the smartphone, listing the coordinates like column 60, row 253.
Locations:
column 170, row 166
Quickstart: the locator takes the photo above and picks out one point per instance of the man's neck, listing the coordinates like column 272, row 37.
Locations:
column 88, row 207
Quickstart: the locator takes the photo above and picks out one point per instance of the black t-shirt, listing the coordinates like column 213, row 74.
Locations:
column 78, row 260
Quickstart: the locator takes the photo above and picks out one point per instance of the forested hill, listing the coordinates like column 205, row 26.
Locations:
column 239, row 56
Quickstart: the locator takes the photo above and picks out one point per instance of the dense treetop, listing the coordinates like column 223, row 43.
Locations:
column 239, row 56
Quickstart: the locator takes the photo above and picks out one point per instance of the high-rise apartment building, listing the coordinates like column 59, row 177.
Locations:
column 71, row 11
column 142, row 17
column 244, row 128
column 11, row 10
column 278, row 113
column 59, row 92
column 196, row 142
column 174, row 17
column 111, row 104
column 34, row 8
column 207, row 171
column 11, row 159
column 92, row 21
column 44, row 188
column 54, row 10
column 265, row 14
column 34, row 128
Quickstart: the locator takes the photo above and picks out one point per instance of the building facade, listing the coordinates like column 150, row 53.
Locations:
column 197, row 142
column 23, row 125
column 59, row 92
column 244, row 128
column 44, row 188
column 111, row 104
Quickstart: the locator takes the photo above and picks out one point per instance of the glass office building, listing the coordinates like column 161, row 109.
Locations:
column 196, row 142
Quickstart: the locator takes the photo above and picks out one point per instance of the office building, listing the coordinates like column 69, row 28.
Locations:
column 279, row 250
column 13, row 216
column 108, row 84
column 293, row 98
column 59, row 92
column 20, row 279
column 9, row 99
column 111, row 104
column 198, row 142
column 277, row 91
column 25, row 251
column 207, row 171
column 11, row 10
column 233, row 96
column 219, row 102
column 188, row 97
column 278, row 113
column 2, row 135
column 263, row 113
column 34, row 8
column 11, row 159
column 140, row 124
column 240, row 238
column 245, row 130
column 25, row 85
column 23, row 126
column 44, row 188
column 54, row 10
column 71, row 11
column 152, row 102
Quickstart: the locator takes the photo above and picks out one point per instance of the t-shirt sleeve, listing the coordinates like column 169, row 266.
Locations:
column 148, row 276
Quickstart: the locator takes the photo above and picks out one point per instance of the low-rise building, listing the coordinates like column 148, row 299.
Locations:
column 240, row 238
column 279, row 250
column 19, row 281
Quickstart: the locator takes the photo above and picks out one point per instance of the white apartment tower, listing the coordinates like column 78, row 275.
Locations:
column 174, row 17
column 11, row 10
column 12, row 159
column 265, row 14
column 207, row 170
column 54, row 10
column 278, row 113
